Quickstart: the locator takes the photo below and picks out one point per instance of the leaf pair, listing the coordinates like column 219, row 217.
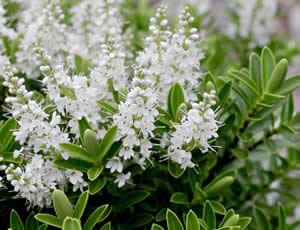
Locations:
column 68, row 218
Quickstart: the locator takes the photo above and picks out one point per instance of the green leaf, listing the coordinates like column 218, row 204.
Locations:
column 174, row 169
column 237, row 76
column 107, row 142
column 202, row 194
column 173, row 221
column 161, row 215
column 107, row 107
column 81, row 204
column 218, row 185
column 94, row 217
column 268, row 64
column 272, row 97
column 229, row 214
column 244, row 222
column 94, row 173
column 61, row 204
column 192, row 222
column 138, row 221
column 83, row 125
column 179, row 198
column 77, row 152
column 156, row 227
column 9, row 157
column 96, row 185
column 255, row 70
column 232, row 221
column 225, row 93
column 71, row 224
column 113, row 91
column 31, row 223
column 74, row 164
column 278, row 76
column 105, row 214
column 289, row 85
column 209, row 215
column 6, row 136
column 218, row 207
column 176, row 98
column 106, row 226
column 287, row 110
column 49, row 219
column 91, row 142
column 43, row 227
column 15, row 221
column 282, row 218
column 130, row 199
column 261, row 219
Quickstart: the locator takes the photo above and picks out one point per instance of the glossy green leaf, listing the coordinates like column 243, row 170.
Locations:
column 107, row 107
column 91, row 142
column 179, row 198
column 6, row 136
column 49, row 219
column 255, row 71
column 94, row 217
column 71, row 224
column 130, row 199
column 156, row 227
column 268, row 64
column 289, row 85
column 209, row 215
column 106, row 226
column 218, row 185
column 31, row 223
column 287, row 110
column 83, row 125
column 77, row 152
column 80, row 205
column 232, row 221
column 192, row 222
column 229, row 214
column 261, row 220
column 94, row 173
column 107, row 142
column 278, row 76
column 43, row 227
column 225, row 93
column 15, row 221
column 244, row 222
column 96, row 185
column 173, row 221
column 246, row 83
column 9, row 157
column 282, row 218
column 61, row 204
column 177, row 98
column 161, row 215
column 218, row 207
column 174, row 169
column 74, row 164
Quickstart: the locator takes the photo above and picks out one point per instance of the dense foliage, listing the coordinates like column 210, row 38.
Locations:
column 117, row 115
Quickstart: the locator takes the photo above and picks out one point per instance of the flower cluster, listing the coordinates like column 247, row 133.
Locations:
column 172, row 57
column 4, row 29
column 135, row 120
column 39, row 178
column 197, row 127
column 255, row 19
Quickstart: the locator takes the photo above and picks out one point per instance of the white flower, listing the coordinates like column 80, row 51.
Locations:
column 122, row 179
column 76, row 179
column 115, row 165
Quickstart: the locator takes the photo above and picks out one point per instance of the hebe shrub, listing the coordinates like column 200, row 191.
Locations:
column 115, row 116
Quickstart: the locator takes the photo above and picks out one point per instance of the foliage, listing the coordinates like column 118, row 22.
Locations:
column 120, row 116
